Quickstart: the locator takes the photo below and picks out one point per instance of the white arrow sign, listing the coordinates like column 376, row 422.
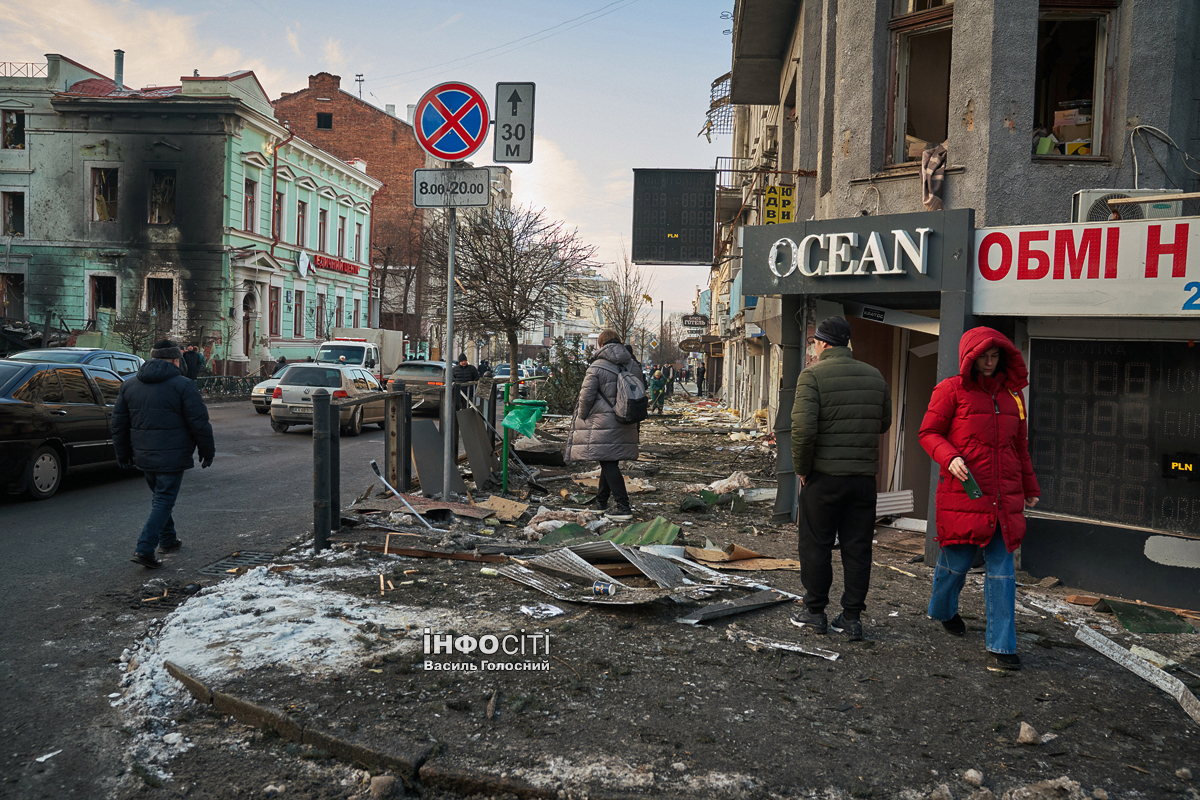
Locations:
column 512, row 141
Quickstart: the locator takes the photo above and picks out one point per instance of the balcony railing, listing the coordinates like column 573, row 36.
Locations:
column 22, row 69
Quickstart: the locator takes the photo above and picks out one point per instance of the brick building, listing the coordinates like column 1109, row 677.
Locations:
column 351, row 128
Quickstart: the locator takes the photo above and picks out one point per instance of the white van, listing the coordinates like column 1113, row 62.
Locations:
column 356, row 352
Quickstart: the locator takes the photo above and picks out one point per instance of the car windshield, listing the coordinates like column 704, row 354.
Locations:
column 330, row 354
column 313, row 376
column 56, row 356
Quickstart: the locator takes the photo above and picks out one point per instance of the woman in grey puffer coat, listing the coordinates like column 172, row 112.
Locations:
column 596, row 435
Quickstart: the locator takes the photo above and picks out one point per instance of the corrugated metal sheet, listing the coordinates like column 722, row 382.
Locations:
column 890, row 504
column 577, row 593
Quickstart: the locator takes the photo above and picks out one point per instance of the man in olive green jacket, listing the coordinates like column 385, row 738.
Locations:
column 842, row 406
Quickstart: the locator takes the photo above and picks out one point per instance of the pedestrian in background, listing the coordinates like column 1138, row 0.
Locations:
column 658, row 392
column 465, row 378
column 158, row 421
column 596, row 434
column 280, row 363
column 193, row 362
column 976, row 428
column 701, row 389
column 842, row 406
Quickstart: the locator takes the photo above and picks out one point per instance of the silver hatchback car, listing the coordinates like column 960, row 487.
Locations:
column 291, row 400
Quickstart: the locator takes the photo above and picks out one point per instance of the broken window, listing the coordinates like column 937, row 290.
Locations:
column 14, row 213
column 13, row 135
column 277, row 216
column 12, row 295
column 298, row 315
column 275, row 310
column 357, row 312
column 104, row 293
column 104, row 194
column 162, row 196
column 323, row 230
column 339, row 314
column 324, row 122
column 249, row 206
column 1072, row 53
column 341, row 237
column 920, row 106
column 358, row 241
column 320, row 316
column 160, row 300
column 301, row 221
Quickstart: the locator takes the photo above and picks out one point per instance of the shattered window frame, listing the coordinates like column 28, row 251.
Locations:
column 1099, row 14
column 357, row 312
column 100, row 289
column 341, row 236
column 13, row 221
column 320, row 315
column 301, row 222
column 323, row 230
column 277, row 216
column 904, row 29
column 249, row 205
column 12, row 129
column 160, row 297
column 298, row 310
column 275, row 309
column 162, row 197
column 358, row 230
column 106, row 184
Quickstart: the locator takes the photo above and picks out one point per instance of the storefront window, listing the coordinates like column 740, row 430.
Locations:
column 1114, row 431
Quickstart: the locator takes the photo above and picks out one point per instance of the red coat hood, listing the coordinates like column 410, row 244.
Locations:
column 978, row 341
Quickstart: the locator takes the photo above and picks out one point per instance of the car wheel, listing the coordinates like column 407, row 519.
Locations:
column 355, row 426
column 43, row 474
column 262, row 410
column 279, row 427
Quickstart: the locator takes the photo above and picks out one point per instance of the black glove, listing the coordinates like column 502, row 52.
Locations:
column 206, row 462
column 124, row 464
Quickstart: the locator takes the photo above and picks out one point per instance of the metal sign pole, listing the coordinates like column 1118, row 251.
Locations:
column 449, row 450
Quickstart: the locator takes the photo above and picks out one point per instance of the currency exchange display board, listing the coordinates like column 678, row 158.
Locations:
column 674, row 216
column 1114, row 431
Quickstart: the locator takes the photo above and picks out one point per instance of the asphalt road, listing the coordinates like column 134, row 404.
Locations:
column 66, row 579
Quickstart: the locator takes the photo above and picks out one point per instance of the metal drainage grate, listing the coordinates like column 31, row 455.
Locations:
column 241, row 559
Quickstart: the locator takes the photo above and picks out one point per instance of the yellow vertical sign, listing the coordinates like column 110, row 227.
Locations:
column 779, row 205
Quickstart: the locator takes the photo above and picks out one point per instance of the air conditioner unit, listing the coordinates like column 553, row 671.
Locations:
column 1091, row 205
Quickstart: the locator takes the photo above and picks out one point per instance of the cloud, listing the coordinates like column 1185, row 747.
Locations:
column 452, row 20
column 332, row 53
column 160, row 45
column 293, row 39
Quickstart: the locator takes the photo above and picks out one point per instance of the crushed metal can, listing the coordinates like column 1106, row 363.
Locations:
column 604, row 588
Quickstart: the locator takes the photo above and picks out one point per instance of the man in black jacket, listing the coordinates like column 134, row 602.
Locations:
column 193, row 363
column 463, row 373
column 158, row 421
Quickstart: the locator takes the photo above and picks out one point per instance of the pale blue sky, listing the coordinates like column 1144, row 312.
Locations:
column 621, row 84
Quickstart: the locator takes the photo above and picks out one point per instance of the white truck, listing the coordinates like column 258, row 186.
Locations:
column 355, row 352
column 387, row 346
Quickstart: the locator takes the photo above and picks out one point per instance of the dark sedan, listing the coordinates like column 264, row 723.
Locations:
column 53, row 418
column 124, row 364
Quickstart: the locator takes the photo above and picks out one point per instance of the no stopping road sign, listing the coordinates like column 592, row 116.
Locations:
column 452, row 121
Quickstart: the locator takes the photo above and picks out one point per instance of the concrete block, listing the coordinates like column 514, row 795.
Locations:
column 197, row 689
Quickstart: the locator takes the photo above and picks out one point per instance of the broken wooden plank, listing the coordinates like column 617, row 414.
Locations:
column 727, row 608
column 411, row 553
column 1142, row 668
column 504, row 510
column 1082, row 600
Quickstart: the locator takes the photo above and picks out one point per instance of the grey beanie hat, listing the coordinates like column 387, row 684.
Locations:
column 834, row 331
column 166, row 349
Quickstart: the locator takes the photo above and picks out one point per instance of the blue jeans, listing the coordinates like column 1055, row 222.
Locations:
column 160, row 527
column 999, row 589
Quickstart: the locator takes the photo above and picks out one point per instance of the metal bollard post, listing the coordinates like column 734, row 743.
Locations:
column 391, row 452
column 335, row 468
column 320, row 470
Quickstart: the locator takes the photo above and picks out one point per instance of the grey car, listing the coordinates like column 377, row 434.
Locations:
column 260, row 395
column 425, row 379
column 291, row 400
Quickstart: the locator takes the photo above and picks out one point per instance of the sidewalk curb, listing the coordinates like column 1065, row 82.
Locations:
column 404, row 764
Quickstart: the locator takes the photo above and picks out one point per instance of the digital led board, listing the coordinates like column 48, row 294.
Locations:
column 1111, row 429
column 674, row 216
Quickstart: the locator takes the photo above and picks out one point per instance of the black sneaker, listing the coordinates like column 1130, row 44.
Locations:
column 1006, row 661
column 622, row 514
column 147, row 561
column 810, row 619
column 170, row 548
column 851, row 627
column 955, row 626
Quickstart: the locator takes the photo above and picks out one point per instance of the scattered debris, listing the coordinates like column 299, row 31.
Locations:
column 1048, row 583
column 974, row 777
column 1139, row 618
column 542, row 611
column 656, row 531
column 740, row 558
column 591, row 480
column 1082, row 600
column 47, row 757
column 729, row 607
column 1142, row 668
column 759, row 495
column 504, row 510
column 738, row 480
column 566, row 533
column 1028, row 735
column 412, row 553
column 736, row 634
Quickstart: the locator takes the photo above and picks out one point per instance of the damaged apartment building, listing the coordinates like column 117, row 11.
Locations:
column 185, row 210
column 925, row 166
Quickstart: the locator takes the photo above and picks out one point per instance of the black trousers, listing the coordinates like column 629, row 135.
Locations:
column 612, row 483
column 841, row 507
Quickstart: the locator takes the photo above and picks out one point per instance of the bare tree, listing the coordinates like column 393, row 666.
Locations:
column 626, row 298
column 401, row 258
column 510, row 267
column 672, row 333
column 138, row 330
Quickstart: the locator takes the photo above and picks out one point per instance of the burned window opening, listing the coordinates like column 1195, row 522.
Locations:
column 12, row 136
column 104, row 194
column 162, row 197
column 12, row 295
column 104, row 294
column 14, row 213
column 160, row 299
column 1069, row 90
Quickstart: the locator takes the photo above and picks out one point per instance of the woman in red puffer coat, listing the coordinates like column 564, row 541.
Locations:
column 975, row 427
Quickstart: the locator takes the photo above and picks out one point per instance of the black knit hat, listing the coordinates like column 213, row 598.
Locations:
column 462, row 357
column 166, row 349
column 834, row 331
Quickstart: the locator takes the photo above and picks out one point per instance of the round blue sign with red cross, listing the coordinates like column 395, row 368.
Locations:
column 452, row 121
